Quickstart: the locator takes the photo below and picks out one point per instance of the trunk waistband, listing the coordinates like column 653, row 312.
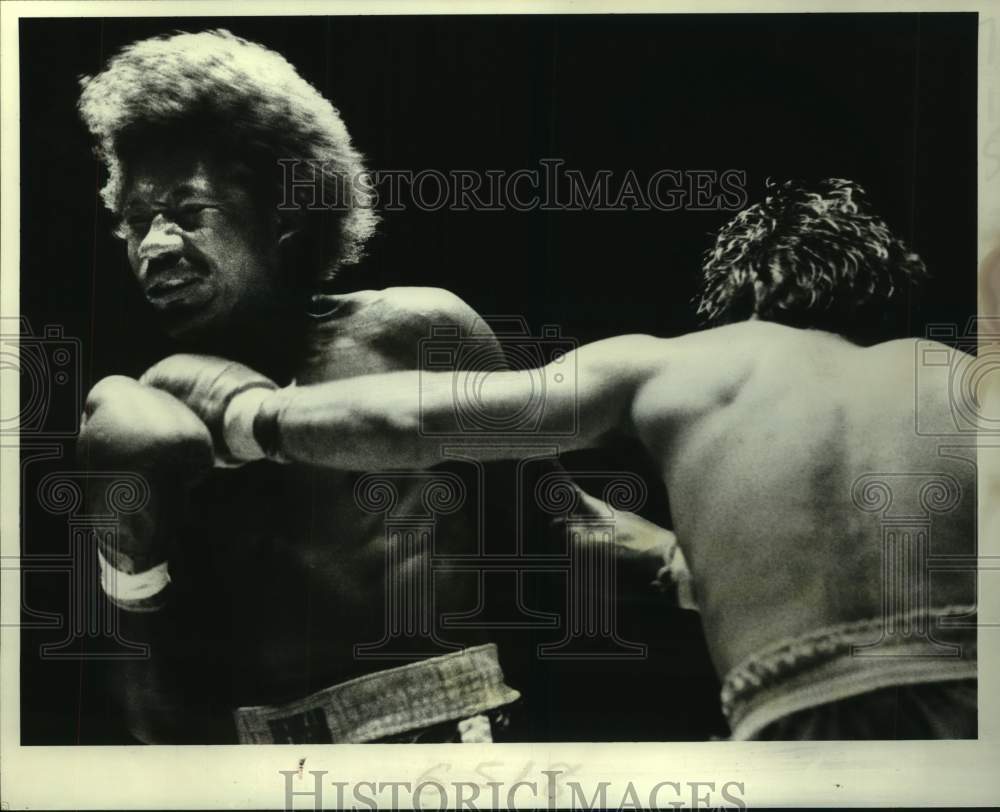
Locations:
column 838, row 662
column 440, row 689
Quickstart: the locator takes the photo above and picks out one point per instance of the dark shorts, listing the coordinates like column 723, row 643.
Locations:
column 879, row 678
column 931, row 710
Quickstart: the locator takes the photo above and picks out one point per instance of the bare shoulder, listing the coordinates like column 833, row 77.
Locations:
column 716, row 348
column 398, row 325
column 423, row 308
column 642, row 357
column 626, row 354
column 691, row 375
column 929, row 363
column 367, row 331
column 394, row 310
column 917, row 349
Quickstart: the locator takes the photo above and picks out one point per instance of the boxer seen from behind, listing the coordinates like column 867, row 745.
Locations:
column 254, row 586
column 787, row 442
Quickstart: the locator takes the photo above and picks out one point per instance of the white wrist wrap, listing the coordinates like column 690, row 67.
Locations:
column 238, row 424
column 124, row 589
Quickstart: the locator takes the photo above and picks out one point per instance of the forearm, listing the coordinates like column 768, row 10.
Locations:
column 393, row 420
column 156, row 705
column 362, row 424
column 162, row 695
column 149, row 690
column 401, row 419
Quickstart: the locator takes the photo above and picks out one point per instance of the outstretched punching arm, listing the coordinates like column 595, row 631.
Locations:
column 401, row 419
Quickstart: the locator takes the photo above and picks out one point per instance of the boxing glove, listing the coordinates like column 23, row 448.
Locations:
column 208, row 385
column 128, row 427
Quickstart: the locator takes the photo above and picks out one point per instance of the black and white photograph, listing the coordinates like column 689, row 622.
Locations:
column 558, row 407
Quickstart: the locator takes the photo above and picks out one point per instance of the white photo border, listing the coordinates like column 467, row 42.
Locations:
column 243, row 777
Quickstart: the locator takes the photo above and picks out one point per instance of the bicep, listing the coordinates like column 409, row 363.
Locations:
column 579, row 398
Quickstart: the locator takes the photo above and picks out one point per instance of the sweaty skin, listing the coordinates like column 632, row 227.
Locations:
column 760, row 431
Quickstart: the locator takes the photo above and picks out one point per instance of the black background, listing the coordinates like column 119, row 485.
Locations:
column 888, row 100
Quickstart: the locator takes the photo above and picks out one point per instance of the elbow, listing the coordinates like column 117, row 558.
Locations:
column 150, row 725
column 150, row 716
column 145, row 733
column 153, row 722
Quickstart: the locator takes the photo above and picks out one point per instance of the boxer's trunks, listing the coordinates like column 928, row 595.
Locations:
column 456, row 697
column 885, row 678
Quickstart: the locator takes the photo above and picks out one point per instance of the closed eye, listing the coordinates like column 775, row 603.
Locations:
column 188, row 216
column 133, row 225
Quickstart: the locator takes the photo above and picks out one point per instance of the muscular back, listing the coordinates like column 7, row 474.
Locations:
column 764, row 434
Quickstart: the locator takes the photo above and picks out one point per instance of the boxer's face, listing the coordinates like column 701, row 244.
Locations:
column 198, row 245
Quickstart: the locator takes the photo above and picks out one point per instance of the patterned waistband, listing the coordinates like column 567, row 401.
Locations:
column 835, row 662
column 386, row 703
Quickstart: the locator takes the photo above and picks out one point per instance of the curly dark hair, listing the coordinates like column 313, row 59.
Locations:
column 240, row 101
column 811, row 256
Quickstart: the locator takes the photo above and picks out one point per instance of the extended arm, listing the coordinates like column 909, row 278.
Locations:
column 401, row 419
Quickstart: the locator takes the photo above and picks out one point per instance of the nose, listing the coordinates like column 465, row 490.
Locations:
column 162, row 244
